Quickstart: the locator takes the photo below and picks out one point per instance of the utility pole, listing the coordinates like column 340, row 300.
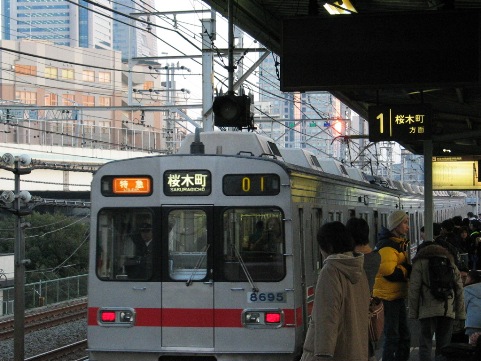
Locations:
column 208, row 35
column 20, row 167
column 170, row 122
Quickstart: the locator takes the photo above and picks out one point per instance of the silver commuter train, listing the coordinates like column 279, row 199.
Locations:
column 211, row 253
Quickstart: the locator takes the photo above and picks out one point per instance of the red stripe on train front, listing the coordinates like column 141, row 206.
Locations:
column 193, row 317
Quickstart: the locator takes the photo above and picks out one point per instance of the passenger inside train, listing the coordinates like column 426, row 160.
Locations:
column 271, row 238
column 140, row 266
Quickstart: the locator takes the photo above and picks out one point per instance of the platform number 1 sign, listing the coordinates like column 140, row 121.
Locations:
column 399, row 122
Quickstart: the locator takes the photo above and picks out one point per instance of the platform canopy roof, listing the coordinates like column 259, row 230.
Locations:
column 455, row 101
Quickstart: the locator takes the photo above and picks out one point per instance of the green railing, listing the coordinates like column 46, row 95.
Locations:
column 45, row 293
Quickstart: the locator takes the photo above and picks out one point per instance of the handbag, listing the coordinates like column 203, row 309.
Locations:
column 376, row 319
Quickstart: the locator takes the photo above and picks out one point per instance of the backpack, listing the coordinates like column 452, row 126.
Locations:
column 452, row 249
column 441, row 279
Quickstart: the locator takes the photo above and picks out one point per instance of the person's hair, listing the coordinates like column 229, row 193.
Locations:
column 448, row 225
column 359, row 230
column 475, row 223
column 475, row 276
column 436, row 229
column 457, row 220
column 464, row 229
column 333, row 237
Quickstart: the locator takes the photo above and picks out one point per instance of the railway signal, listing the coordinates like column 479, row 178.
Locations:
column 233, row 111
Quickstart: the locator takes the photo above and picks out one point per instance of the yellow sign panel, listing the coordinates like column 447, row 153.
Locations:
column 132, row 185
column 455, row 174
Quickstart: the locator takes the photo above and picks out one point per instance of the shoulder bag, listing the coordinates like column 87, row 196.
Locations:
column 376, row 319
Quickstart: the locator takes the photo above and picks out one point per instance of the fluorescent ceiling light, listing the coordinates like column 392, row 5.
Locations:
column 340, row 7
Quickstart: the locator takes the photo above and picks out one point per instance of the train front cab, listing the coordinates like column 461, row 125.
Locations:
column 211, row 289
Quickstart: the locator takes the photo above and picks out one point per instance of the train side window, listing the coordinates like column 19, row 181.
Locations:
column 339, row 216
column 330, row 216
column 188, row 244
column 253, row 237
column 125, row 244
column 384, row 219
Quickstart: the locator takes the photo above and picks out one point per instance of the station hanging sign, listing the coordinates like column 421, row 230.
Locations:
column 406, row 122
column 456, row 173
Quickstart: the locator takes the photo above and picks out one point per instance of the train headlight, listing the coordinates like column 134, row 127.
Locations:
column 263, row 318
column 126, row 316
column 252, row 317
column 116, row 316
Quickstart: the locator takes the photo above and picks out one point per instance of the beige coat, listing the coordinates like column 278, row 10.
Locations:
column 338, row 328
column 422, row 303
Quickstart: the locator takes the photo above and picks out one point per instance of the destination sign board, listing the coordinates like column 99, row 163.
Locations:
column 121, row 185
column 187, row 183
column 251, row 184
column 400, row 122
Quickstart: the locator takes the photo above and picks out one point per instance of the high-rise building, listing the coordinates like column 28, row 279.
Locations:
column 76, row 23
column 83, row 87
column 139, row 34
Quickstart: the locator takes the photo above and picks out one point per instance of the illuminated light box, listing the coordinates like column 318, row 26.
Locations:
column 456, row 173
column 126, row 185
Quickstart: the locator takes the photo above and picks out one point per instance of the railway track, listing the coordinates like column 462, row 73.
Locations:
column 61, row 353
column 45, row 318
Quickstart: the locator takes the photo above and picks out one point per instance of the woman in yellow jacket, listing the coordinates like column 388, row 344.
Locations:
column 391, row 285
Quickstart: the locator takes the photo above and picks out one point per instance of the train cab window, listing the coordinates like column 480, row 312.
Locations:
column 254, row 238
column 188, row 244
column 126, row 244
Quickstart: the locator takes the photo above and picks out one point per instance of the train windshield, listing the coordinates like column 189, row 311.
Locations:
column 125, row 244
column 254, row 238
column 131, row 245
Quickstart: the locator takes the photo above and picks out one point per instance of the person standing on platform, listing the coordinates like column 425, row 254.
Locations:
column 359, row 230
column 436, row 316
column 339, row 323
column 391, row 285
column 472, row 295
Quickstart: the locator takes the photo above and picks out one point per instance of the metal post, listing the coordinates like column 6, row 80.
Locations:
column 19, row 278
column 208, row 34
column 428, row 189
column 230, row 48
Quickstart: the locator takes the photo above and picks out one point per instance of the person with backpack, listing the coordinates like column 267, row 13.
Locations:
column 472, row 295
column 391, row 286
column 450, row 241
column 435, row 297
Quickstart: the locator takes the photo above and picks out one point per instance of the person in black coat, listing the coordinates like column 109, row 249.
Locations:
column 140, row 266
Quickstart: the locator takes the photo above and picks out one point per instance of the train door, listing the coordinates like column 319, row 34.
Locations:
column 187, row 291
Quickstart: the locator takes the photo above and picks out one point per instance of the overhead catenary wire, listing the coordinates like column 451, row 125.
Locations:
column 167, row 19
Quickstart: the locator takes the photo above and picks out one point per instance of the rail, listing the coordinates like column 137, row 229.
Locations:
column 44, row 318
column 61, row 352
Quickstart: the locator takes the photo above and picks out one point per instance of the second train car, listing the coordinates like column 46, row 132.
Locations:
column 211, row 254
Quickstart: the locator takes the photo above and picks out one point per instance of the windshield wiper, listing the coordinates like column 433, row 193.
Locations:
column 197, row 265
column 244, row 268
